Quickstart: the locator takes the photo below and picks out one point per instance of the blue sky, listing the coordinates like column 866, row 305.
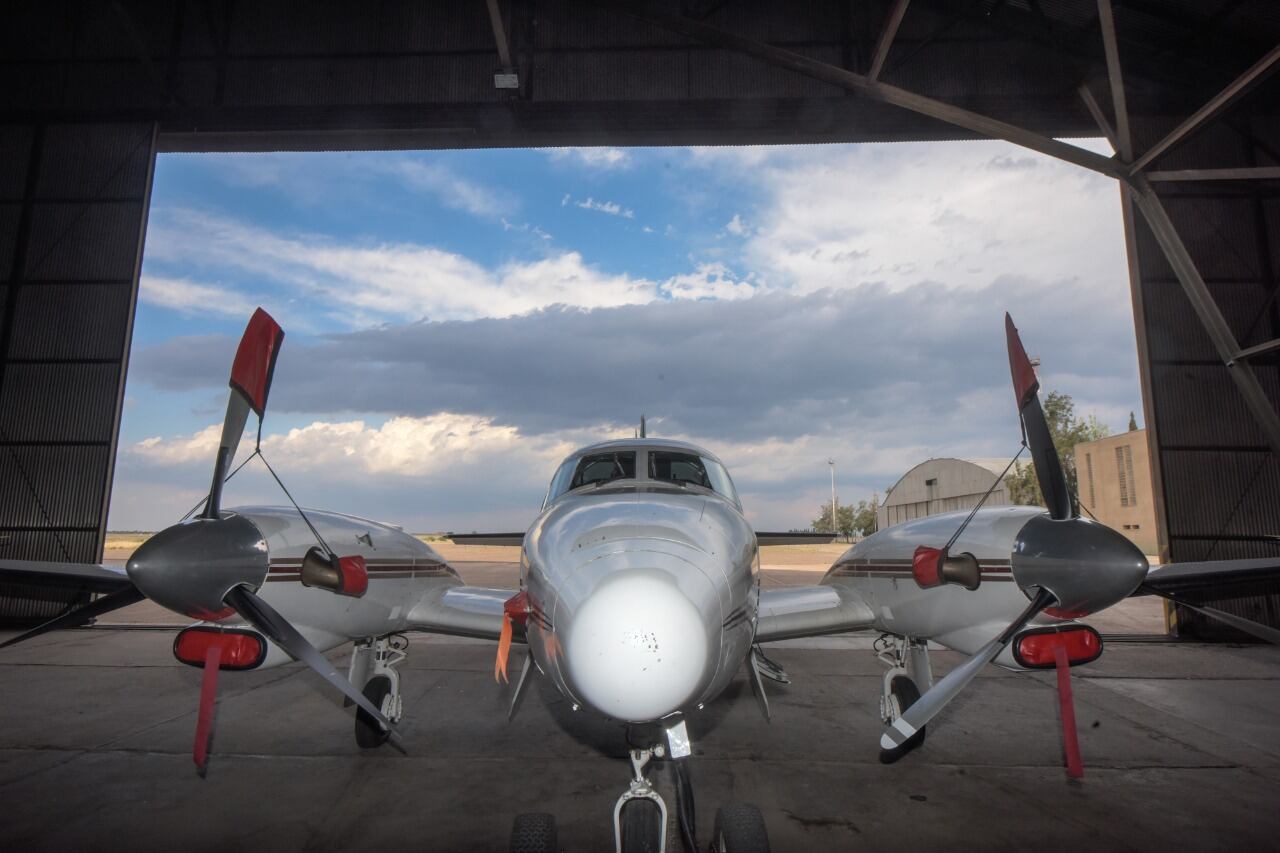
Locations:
column 457, row 321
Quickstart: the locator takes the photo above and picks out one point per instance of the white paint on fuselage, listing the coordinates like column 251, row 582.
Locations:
column 679, row 553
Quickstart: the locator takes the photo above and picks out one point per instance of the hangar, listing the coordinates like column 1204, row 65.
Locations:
column 91, row 93
column 943, row 485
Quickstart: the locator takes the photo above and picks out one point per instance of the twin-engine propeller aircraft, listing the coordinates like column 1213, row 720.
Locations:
column 639, row 597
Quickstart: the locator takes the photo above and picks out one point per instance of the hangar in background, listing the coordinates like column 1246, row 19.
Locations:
column 942, row 485
column 91, row 92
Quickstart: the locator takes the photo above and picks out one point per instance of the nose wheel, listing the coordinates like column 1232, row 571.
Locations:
column 374, row 663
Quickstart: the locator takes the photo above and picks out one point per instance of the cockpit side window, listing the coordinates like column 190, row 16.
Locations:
column 678, row 468
column 603, row 467
column 560, row 482
column 720, row 481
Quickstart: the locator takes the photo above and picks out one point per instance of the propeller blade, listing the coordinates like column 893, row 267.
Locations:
column 937, row 697
column 1067, row 708
column 204, row 720
column 1053, row 482
column 251, row 373
column 265, row 618
column 112, row 601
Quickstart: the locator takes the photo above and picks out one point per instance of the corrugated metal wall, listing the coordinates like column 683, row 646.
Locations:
column 1217, row 479
column 73, row 208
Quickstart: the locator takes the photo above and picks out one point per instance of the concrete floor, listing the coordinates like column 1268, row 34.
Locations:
column 1181, row 744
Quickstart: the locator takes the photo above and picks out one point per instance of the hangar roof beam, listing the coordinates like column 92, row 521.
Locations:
column 891, row 24
column 1219, row 102
column 1123, row 141
column 865, row 86
column 1095, row 110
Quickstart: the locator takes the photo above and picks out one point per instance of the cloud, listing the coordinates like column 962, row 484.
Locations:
column 454, row 191
column 592, row 158
column 369, row 283
column 895, row 368
column 735, row 226
column 187, row 297
column 612, row 208
column 847, row 216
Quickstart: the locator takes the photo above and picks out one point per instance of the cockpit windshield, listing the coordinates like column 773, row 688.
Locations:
column 691, row 469
column 678, row 468
column 603, row 467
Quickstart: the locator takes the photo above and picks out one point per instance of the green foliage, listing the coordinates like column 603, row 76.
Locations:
column 851, row 520
column 1067, row 432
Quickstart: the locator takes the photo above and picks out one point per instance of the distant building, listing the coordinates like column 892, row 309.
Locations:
column 942, row 485
column 1114, row 475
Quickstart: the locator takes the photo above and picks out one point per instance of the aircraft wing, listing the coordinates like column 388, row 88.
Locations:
column 1195, row 577
column 462, row 611
column 810, row 611
column 794, row 538
column 1179, row 582
column 516, row 539
column 88, row 576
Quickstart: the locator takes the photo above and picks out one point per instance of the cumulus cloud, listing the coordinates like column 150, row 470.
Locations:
column 592, row 158
column 962, row 213
column 735, row 226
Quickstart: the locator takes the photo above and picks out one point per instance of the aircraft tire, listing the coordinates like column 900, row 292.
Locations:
column 534, row 833
column 369, row 733
column 907, row 694
column 640, row 830
column 739, row 829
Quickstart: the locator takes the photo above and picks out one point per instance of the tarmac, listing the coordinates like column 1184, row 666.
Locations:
column 1180, row 742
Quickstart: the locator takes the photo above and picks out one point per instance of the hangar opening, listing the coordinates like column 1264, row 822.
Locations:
column 93, row 93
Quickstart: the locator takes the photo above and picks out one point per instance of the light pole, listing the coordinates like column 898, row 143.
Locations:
column 835, row 527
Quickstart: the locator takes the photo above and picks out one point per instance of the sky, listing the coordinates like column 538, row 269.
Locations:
column 459, row 321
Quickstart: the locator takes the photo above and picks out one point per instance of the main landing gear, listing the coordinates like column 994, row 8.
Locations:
column 908, row 662
column 373, row 664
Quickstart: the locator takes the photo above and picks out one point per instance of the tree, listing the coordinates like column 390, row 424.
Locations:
column 1067, row 432
column 1133, row 422
column 850, row 521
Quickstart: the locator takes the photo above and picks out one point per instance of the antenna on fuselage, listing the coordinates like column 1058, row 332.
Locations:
column 642, row 433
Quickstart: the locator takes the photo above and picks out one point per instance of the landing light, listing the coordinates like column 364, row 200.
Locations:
column 241, row 649
column 1034, row 648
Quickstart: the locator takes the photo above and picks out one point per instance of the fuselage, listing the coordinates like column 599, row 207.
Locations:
column 642, row 574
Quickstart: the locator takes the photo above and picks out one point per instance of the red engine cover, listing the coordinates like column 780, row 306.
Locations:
column 241, row 648
column 1034, row 649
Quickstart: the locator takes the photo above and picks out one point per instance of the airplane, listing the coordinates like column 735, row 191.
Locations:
column 639, row 598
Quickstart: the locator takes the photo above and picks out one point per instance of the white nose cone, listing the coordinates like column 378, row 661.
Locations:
column 637, row 648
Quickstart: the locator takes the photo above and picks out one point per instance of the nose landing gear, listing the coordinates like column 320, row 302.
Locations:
column 640, row 815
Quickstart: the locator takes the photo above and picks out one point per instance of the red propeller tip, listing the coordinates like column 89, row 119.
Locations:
column 256, row 359
column 1025, row 383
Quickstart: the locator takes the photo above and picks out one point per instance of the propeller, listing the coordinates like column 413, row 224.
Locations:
column 1067, row 566
column 211, row 566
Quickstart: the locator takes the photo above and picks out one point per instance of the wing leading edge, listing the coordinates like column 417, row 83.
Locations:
column 810, row 611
